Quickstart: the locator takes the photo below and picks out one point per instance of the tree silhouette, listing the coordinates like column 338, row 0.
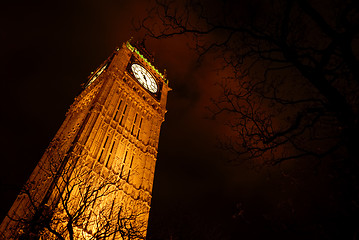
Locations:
column 292, row 72
column 83, row 205
column 289, row 78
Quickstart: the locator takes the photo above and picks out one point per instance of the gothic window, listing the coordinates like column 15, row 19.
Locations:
column 123, row 115
column 123, row 163
column 103, row 149
column 129, row 170
column 91, row 120
column 139, row 129
column 112, row 206
column 117, row 111
column 134, row 124
column 109, row 155
column 91, row 209
column 97, row 139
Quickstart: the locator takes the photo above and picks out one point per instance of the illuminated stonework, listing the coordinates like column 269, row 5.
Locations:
column 95, row 179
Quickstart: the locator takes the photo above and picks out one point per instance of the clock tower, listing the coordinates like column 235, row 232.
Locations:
column 95, row 179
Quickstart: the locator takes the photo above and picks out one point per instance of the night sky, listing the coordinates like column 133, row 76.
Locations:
column 49, row 49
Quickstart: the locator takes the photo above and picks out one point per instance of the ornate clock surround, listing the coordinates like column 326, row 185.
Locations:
column 156, row 95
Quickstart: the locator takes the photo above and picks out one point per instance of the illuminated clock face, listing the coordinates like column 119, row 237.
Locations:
column 144, row 77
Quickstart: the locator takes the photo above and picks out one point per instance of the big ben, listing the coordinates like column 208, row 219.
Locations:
column 95, row 179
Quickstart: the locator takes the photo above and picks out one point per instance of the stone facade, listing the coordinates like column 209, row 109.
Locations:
column 97, row 172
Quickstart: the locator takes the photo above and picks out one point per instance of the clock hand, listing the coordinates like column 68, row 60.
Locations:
column 144, row 76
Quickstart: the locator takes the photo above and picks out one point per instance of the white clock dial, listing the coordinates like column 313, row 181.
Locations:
column 144, row 77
